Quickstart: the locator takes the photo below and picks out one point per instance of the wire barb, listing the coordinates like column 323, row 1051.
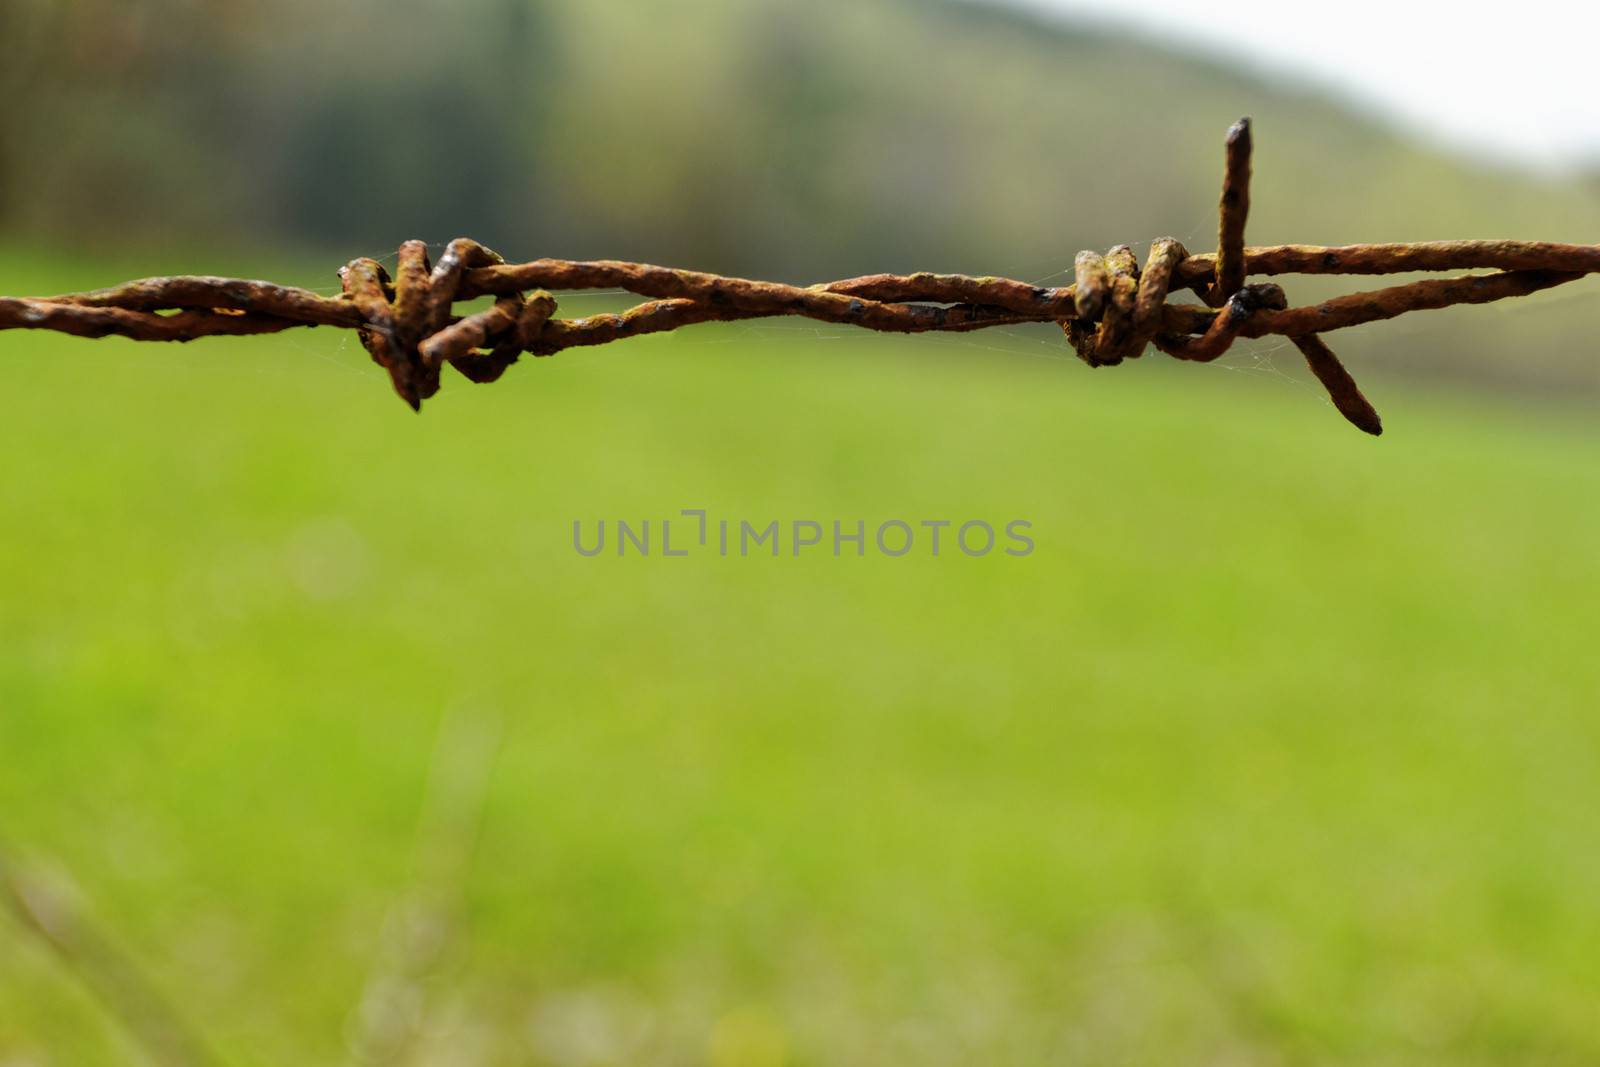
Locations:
column 1111, row 312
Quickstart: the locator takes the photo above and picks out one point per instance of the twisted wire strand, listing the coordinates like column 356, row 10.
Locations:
column 1112, row 312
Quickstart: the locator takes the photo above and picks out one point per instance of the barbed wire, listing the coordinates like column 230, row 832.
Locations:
column 1111, row 312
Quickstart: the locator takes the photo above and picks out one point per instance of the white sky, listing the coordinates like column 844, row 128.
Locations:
column 1506, row 79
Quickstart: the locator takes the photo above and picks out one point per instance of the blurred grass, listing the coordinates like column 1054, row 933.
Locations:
column 1280, row 748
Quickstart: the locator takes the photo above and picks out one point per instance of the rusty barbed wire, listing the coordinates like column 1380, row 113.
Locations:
column 1111, row 312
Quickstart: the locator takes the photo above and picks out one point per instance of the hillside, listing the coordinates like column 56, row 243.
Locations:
column 791, row 141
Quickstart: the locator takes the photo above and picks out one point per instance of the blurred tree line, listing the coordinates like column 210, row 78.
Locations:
column 791, row 140
column 234, row 118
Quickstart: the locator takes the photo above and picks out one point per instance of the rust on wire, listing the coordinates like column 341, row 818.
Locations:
column 1112, row 312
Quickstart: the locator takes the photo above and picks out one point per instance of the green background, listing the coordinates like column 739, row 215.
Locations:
column 1280, row 748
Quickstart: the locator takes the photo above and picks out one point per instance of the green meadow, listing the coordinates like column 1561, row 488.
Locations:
column 1281, row 747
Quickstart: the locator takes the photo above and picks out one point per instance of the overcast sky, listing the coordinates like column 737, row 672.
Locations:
column 1502, row 78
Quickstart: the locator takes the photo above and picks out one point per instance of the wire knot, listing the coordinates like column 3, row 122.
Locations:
column 1121, row 309
column 409, row 329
